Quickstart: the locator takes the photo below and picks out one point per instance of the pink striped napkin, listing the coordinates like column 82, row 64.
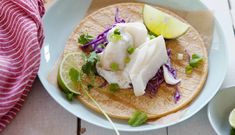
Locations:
column 21, row 38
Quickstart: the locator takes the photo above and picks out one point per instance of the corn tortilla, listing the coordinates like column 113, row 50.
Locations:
column 123, row 103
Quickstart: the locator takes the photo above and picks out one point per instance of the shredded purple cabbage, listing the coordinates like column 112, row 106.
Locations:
column 177, row 95
column 155, row 83
column 169, row 66
column 117, row 19
column 96, row 44
column 158, row 79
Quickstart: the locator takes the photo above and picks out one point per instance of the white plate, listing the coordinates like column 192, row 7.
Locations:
column 219, row 109
column 60, row 21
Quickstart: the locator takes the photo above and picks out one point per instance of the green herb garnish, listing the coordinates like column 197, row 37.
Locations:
column 89, row 68
column 93, row 57
column 74, row 75
column 127, row 60
column 113, row 87
column 138, row 118
column 85, row 38
column 188, row 69
column 70, row 96
column 130, row 50
column 116, row 36
column 151, row 37
column 90, row 63
column 117, row 32
column 89, row 87
column 114, row 66
column 195, row 61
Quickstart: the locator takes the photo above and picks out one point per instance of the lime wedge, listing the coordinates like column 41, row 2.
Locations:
column 232, row 118
column 163, row 24
column 71, row 60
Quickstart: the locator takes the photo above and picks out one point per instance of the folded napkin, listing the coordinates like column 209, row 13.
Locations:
column 21, row 38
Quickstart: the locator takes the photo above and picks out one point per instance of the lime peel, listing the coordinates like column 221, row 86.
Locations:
column 232, row 118
column 63, row 78
column 161, row 23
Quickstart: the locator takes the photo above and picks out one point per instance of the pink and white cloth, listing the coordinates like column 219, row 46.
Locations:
column 21, row 37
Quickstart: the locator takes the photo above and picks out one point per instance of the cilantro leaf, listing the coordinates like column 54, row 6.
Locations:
column 70, row 96
column 85, row 38
column 89, row 67
column 89, row 87
column 113, row 87
column 93, row 57
column 74, row 75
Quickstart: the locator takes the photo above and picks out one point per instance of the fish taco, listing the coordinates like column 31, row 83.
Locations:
column 131, row 57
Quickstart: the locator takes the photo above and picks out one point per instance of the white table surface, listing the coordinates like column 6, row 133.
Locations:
column 41, row 115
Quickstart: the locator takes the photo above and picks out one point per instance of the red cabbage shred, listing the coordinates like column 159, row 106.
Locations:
column 158, row 79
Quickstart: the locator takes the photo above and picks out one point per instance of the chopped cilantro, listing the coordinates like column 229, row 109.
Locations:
column 113, row 87
column 130, row 50
column 90, row 63
column 117, row 32
column 70, row 96
column 89, row 68
column 188, row 69
column 151, row 37
column 127, row 60
column 115, row 38
column 85, row 38
column 138, row 118
column 116, row 35
column 93, row 57
column 195, row 61
column 74, row 75
column 89, row 87
column 114, row 66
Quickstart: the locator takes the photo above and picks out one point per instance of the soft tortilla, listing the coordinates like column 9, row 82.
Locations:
column 123, row 103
